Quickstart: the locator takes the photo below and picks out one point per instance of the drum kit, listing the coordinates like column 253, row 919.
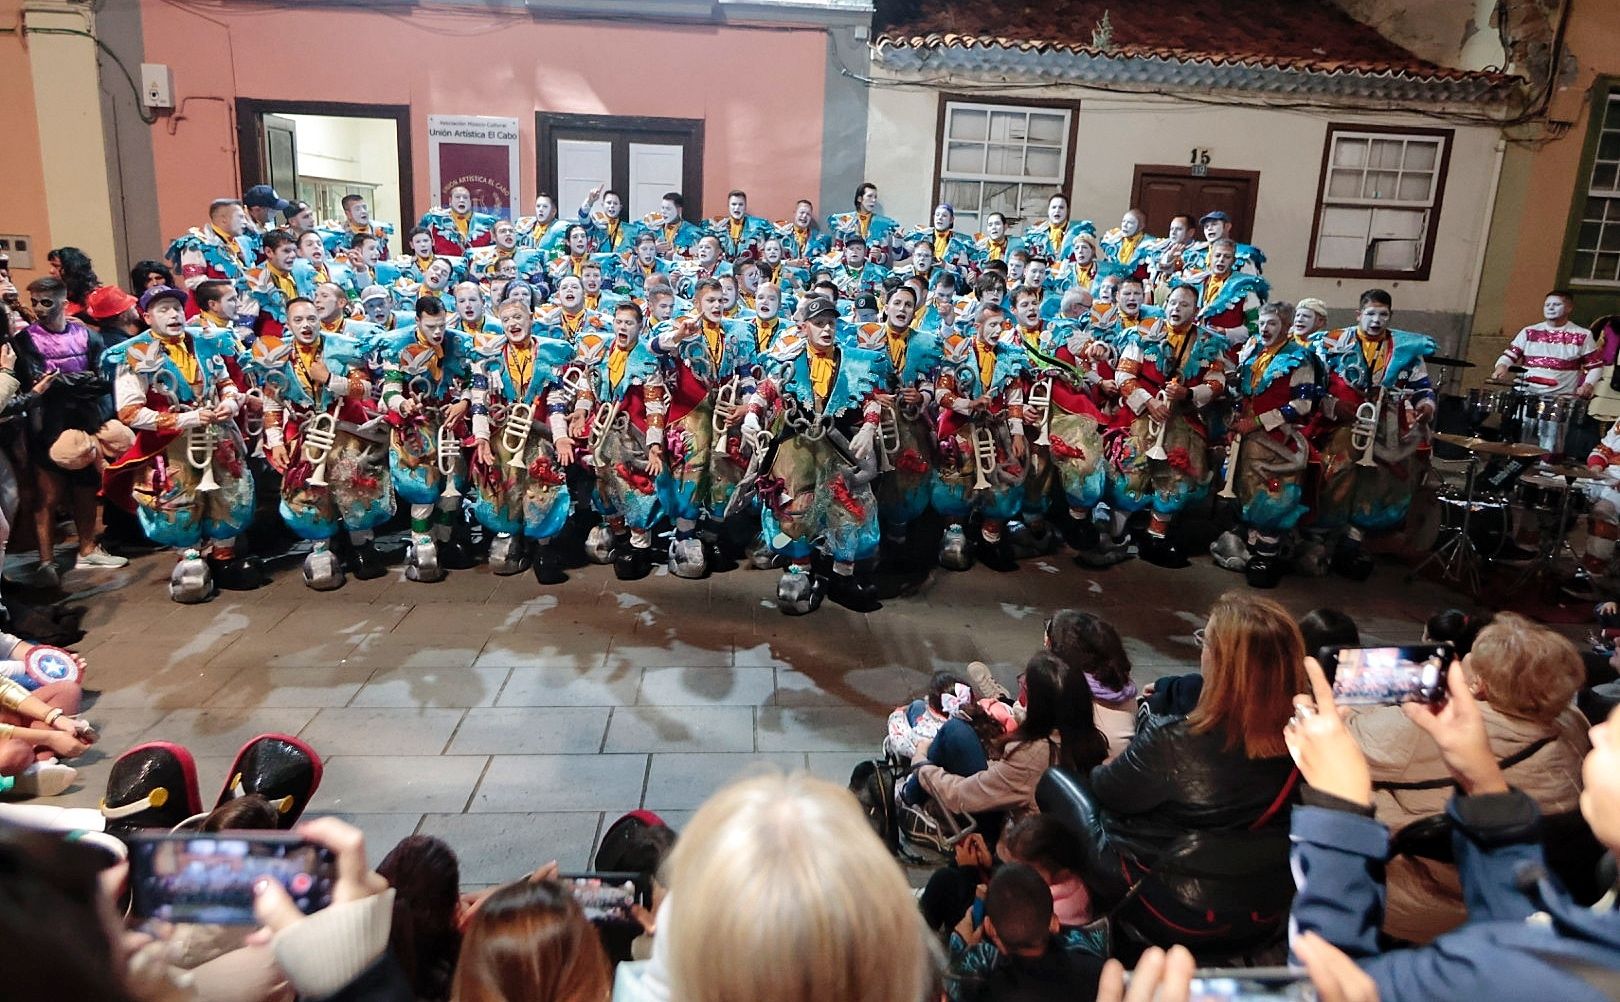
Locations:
column 1516, row 459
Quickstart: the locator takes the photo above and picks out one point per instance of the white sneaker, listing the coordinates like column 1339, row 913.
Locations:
column 45, row 779
column 99, row 557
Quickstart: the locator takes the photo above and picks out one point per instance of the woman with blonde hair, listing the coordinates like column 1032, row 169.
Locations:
column 1524, row 677
column 530, row 942
column 780, row 890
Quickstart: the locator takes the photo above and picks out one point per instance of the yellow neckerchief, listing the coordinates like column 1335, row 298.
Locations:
column 473, row 326
column 437, row 359
column 423, row 263
column 647, row 270
column 213, row 321
column 180, row 353
column 998, row 248
column 1212, row 286
column 284, row 282
column 229, row 241
column 670, row 229
column 1262, row 361
column 592, row 299
column 463, row 224
column 823, row 369
column 1127, row 247
column 801, row 237
column 355, row 227
column 714, row 335
column 1085, row 274
column 1375, row 351
column 520, row 364
column 572, row 327
column 765, row 332
column 618, row 358
column 744, row 299
column 986, row 354
column 1056, row 233
column 1032, row 335
column 899, row 341
column 613, row 226
column 576, row 264
column 942, row 243
column 305, row 356
column 1178, row 345
column 321, row 277
column 737, row 228
column 863, row 222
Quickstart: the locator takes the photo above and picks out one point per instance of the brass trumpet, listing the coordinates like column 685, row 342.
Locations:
column 515, row 435
column 449, row 454
column 320, row 435
column 984, row 456
column 1158, row 429
column 1038, row 408
column 1364, row 435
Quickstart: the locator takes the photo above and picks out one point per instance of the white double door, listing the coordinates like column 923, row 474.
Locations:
column 583, row 164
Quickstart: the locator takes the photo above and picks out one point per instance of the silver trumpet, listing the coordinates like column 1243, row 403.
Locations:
column 984, row 456
column 603, row 422
column 1038, row 408
column 888, row 435
column 1364, row 434
column 449, row 454
column 1158, row 429
column 320, row 435
column 725, row 409
column 200, row 444
column 515, row 435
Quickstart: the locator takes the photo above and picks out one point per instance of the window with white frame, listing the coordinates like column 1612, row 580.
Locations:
column 1380, row 196
column 1002, row 158
column 1597, row 241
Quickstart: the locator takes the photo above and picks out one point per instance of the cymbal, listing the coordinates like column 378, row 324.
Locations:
column 1522, row 450
column 1449, row 363
column 1570, row 470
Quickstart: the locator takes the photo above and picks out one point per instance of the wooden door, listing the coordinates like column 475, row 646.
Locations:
column 1166, row 191
column 281, row 155
column 640, row 158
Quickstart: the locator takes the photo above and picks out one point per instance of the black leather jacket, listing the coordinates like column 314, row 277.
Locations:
column 1170, row 781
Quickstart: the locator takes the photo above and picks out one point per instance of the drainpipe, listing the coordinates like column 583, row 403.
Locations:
column 1484, row 243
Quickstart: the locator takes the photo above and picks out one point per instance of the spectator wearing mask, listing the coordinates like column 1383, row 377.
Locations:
column 59, row 359
column 1031, row 961
column 1525, row 937
column 1524, row 678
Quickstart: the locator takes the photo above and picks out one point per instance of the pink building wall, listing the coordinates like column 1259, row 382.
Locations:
column 759, row 91
column 22, row 196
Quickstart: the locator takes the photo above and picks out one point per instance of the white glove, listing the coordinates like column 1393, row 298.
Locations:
column 751, row 428
column 861, row 446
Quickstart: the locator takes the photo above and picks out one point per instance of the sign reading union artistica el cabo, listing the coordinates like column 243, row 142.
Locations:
column 478, row 153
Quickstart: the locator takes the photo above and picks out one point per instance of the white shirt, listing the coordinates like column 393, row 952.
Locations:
column 1559, row 359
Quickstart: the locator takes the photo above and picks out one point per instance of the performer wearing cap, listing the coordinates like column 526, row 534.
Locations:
column 802, row 240
column 1217, row 226
column 1560, row 357
column 423, row 392
column 520, row 423
column 739, row 233
column 217, row 250
column 854, row 274
column 1275, row 386
column 951, row 249
column 1171, row 373
column 323, row 434
column 1310, row 318
column 1370, row 364
column 456, row 228
column 878, row 233
column 186, row 475
column 262, row 203
column 620, row 413
column 1053, row 237
column 982, row 450
column 819, row 400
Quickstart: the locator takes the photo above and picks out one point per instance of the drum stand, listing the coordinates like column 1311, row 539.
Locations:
column 1546, row 562
column 1458, row 559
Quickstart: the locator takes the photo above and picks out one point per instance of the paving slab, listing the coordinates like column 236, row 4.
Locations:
column 681, row 728
column 531, row 730
column 496, row 848
column 527, row 783
column 382, row 731
column 682, row 781
column 382, row 784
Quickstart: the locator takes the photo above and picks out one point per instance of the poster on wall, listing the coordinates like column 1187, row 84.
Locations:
column 479, row 153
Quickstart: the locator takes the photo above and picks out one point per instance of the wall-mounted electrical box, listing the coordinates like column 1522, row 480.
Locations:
column 157, row 86
column 19, row 249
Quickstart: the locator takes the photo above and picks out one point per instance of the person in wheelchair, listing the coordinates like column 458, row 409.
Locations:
column 1184, row 834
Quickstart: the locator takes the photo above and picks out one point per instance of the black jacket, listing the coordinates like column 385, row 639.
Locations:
column 1170, row 781
column 1058, row 975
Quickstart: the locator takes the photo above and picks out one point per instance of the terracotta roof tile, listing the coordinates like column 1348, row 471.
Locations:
column 1310, row 35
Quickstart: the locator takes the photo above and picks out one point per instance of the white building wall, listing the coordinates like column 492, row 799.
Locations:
column 1118, row 132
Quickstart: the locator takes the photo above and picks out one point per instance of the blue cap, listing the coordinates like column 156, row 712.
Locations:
column 158, row 292
column 1216, row 216
column 263, row 196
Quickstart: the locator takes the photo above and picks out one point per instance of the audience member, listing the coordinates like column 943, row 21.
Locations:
column 1524, row 677
column 531, row 942
column 921, row 719
column 72, row 266
column 149, row 275
column 1030, row 961
column 1455, row 627
column 426, row 937
column 114, row 313
column 1088, row 644
column 1327, row 627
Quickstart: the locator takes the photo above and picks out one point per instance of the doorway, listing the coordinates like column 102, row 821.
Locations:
column 320, row 151
column 641, row 158
column 1162, row 192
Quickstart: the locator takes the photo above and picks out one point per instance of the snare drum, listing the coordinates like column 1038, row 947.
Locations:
column 1490, row 526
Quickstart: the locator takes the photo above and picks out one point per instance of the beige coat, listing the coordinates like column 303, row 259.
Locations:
column 1425, row 897
column 1008, row 784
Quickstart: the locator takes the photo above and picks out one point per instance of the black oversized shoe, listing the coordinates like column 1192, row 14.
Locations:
column 366, row 562
column 1351, row 561
column 632, row 563
column 548, row 568
column 236, row 574
column 998, row 556
column 1161, row 552
column 1081, row 534
column 1263, row 571
column 455, row 555
column 855, row 592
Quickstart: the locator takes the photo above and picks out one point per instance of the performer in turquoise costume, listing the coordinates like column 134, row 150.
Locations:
column 994, row 243
column 223, row 249
column 186, row 475
column 802, row 240
column 542, row 231
column 1224, row 295
column 819, row 400
column 424, row 375
column 740, row 234
column 1053, row 237
column 1171, row 374
column 325, row 437
column 283, row 277
column 1127, row 250
column 520, row 424
column 1378, row 402
column 339, row 235
column 952, row 250
column 983, row 454
column 456, row 228
column 912, row 359
column 603, row 214
column 1275, row 387
column 854, row 273
column 676, row 237
column 879, row 233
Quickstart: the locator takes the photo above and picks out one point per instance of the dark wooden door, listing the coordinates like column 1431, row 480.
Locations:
column 281, row 155
column 1166, row 191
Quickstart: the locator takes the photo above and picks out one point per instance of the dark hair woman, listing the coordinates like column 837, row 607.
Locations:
column 1089, row 645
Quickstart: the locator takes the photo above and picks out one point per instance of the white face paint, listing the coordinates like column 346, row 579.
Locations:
column 663, row 306
column 1182, row 307
column 360, row 213
column 1305, row 320
column 646, row 252
column 995, row 227
column 1130, row 224
column 1129, row 298
column 767, row 302
column 1220, row 259
column 1057, row 210
column 900, row 310
column 376, row 310
column 578, row 241
column 1029, row 311
column 612, row 205
column 304, row 322
column 437, row 276
column 822, row 333
column 505, row 235
column 591, row 278
column 515, row 321
column 1373, row 318
column 737, row 207
column 1555, row 309
column 668, row 211
column 328, row 302
column 943, row 218
column 167, row 317
column 802, row 214
column 469, row 302
column 1084, row 253
column 422, row 245
column 460, row 201
column 708, row 251
column 869, row 200
column 543, row 209
column 773, row 252
column 1271, row 329
column 570, row 293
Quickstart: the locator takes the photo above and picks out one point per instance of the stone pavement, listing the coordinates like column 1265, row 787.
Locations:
column 515, row 721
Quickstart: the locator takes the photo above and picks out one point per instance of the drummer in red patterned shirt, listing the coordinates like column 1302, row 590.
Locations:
column 1560, row 357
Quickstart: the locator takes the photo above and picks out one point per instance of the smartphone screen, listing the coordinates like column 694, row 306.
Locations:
column 210, row 878
column 1259, row 984
column 608, row 897
column 1390, row 675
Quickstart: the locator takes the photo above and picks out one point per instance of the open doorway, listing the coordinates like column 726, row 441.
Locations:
column 319, row 152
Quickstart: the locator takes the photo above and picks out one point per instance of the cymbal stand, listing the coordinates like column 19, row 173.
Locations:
column 1546, row 561
column 1458, row 559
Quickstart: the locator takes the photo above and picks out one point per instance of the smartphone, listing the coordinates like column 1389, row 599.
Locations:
column 1255, row 984
column 1372, row 676
column 192, row 877
column 609, row 897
